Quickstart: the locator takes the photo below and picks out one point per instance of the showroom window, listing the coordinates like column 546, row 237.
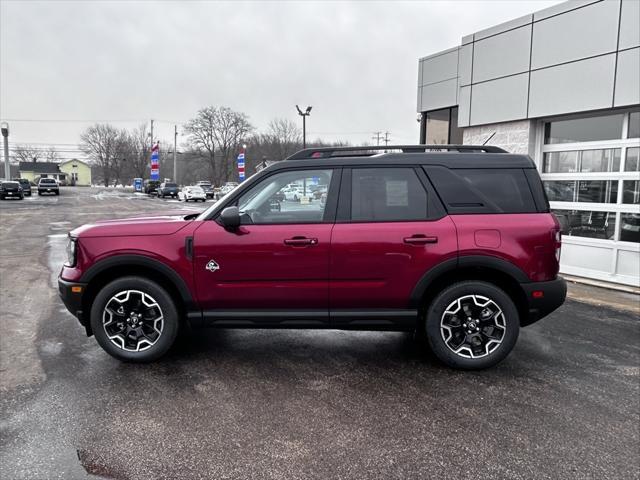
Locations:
column 590, row 169
column 441, row 127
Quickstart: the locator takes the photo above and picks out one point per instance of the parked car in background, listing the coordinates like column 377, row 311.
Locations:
column 207, row 187
column 25, row 184
column 292, row 194
column 458, row 246
column 10, row 189
column 194, row 193
column 48, row 185
column 168, row 189
column 227, row 187
column 151, row 187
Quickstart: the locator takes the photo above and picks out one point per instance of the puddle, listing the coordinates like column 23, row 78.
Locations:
column 96, row 469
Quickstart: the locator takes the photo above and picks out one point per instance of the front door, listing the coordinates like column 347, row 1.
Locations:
column 275, row 267
column 393, row 235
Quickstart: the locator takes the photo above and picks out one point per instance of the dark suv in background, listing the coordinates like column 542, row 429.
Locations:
column 456, row 243
column 168, row 189
column 25, row 184
column 151, row 187
column 10, row 189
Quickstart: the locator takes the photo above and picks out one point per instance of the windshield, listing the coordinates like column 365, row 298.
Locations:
column 10, row 184
column 47, row 180
column 171, row 185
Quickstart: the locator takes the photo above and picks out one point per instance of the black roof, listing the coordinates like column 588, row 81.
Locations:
column 451, row 156
column 39, row 167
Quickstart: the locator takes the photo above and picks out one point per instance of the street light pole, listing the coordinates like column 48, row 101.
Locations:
column 304, row 116
column 5, row 134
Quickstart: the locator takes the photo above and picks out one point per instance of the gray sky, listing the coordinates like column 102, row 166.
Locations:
column 355, row 62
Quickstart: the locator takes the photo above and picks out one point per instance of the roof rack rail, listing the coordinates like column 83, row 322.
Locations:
column 365, row 151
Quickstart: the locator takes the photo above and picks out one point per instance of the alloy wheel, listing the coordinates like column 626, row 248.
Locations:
column 133, row 320
column 473, row 326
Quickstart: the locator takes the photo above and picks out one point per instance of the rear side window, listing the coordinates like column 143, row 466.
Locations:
column 387, row 195
column 483, row 190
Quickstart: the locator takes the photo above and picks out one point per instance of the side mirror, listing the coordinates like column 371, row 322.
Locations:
column 230, row 218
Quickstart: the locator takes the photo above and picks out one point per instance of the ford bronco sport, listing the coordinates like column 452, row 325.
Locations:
column 454, row 242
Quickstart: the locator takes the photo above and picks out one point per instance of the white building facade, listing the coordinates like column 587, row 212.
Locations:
column 563, row 86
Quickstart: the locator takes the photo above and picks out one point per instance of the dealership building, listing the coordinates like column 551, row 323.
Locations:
column 563, row 86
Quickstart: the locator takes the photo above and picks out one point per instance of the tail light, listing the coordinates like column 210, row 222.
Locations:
column 558, row 243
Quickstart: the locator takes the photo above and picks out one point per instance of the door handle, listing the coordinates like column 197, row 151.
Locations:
column 300, row 241
column 420, row 239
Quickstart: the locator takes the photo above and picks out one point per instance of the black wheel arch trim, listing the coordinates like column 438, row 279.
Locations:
column 464, row 261
column 140, row 260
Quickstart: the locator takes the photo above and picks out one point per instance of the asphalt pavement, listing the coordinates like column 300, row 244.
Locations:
column 289, row 404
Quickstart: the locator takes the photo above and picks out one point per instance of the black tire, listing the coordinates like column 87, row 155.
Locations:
column 166, row 304
column 435, row 332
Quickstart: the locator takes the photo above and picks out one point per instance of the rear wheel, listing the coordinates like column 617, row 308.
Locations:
column 134, row 319
column 472, row 325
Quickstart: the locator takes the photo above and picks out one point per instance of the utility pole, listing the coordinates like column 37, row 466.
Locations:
column 175, row 147
column 377, row 136
column 151, row 133
column 386, row 139
column 304, row 116
column 5, row 134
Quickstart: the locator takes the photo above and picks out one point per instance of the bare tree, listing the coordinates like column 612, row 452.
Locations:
column 51, row 155
column 100, row 143
column 285, row 137
column 24, row 153
column 217, row 133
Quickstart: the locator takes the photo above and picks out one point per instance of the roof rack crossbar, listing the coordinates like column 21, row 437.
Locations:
column 326, row 152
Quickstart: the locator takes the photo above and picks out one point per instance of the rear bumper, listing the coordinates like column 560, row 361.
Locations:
column 72, row 299
column 543, row 298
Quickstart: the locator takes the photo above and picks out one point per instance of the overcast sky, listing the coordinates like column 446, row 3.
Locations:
column 354, row 62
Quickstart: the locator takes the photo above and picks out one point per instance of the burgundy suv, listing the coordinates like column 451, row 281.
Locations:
column 456, row 244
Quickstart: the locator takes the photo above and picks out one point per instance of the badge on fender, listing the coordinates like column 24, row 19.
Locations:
column 212, row 266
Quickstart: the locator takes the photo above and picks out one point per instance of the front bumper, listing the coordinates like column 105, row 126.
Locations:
column 71, row 295
column 543, row 298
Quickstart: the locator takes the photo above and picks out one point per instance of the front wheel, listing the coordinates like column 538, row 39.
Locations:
column 472, row 325
column 134, row 319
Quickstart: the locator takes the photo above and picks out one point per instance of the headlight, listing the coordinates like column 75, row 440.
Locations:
column 72, row 249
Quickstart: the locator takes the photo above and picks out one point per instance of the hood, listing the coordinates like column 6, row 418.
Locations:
column 162, row 224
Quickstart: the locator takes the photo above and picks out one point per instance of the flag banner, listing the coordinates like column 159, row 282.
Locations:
column 155, row 155
column 241, row 166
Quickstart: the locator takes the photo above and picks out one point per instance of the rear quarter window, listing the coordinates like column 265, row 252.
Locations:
column 504, row 190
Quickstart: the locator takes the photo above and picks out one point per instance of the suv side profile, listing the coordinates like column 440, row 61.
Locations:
column 455, row 243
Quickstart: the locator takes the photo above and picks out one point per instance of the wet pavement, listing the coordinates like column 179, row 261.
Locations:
column 288, row 404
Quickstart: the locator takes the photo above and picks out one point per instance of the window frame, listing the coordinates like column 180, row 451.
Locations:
column 435, row 210
column 330, row 208
column 623, row 144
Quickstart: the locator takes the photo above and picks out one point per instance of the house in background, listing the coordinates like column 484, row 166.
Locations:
column 78, row 172
column 69, row 172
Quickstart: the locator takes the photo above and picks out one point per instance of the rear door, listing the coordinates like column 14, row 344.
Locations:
column 390, row 230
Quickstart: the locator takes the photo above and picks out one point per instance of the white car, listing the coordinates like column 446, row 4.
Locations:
column 194, row 193
column 292, row 194
column 227, row 187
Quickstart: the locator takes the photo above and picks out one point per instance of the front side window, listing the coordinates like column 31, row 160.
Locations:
column 297, row 196
column 387, row 195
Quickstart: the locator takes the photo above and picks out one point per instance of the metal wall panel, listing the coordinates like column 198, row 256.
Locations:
column 438, row 68
column 464, row 106
column 629, row 24
column 572, row 87
column 501, row 55
column 580, row 33
column 439, row 95
column 464, row 64
column 503, row 27
column 628, row 78
column 499, row 100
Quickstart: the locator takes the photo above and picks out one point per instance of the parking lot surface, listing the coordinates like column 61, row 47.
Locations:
column 290, row 404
